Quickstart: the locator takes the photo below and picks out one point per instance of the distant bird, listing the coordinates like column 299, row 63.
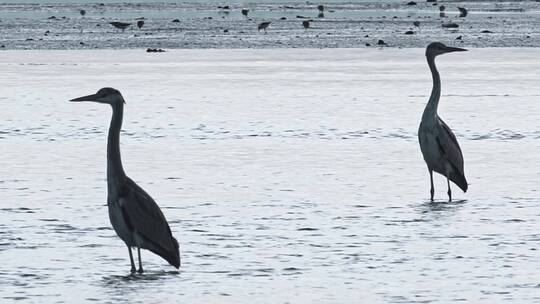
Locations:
column 320, row 7
column 140, row 24
column 263, row 26
column 462, row 12
column 416, row 23
column 134, row 215
column 245, row 12
column 305, row 23
column 441, row 9
column 82, row 12
column 120, row 25
column 439, row 145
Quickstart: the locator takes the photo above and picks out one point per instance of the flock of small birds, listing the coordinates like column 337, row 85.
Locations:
column 306, row 24
column 307, row 21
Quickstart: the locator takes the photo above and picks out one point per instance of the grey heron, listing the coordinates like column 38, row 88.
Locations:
column 438, row 143
column 134, row 215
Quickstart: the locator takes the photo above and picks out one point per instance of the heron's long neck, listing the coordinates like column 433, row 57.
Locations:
column 431, row 108
column 115, row 171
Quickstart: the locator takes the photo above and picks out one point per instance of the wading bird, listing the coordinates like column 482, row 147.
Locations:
column 140, row 24
column 462, row 12
column 305, row 23
column 263, row 26
column 134, row 215
column 439, row 145
column 120, row 25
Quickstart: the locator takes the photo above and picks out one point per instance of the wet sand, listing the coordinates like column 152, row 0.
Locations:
column 204, row 25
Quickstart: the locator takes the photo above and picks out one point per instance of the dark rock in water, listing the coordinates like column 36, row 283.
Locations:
column 52, row 17
column 29, row 39
column 366, row 36
column 381, row 42
column 225, row 30
column 301, row 17
column 459, row 38
column 416, row 23
column 486, row 32
column 450, row 25
column 81, row 43
column 150, row 50
column 409, row 33
column 176, row 20
column 411, row 3
column 431, row 1
column 368, row 44
column 283, row 18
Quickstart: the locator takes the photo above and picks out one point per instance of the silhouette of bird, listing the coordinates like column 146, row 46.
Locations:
column 462, row 12
column 305, row 23
column 82, row 12
column 134, row 215
column 140, row 24
column 245, row 12
column 263, row 26
column 120, row 25
column 416, row 23
column 441, row 11
column 320, row 7
column 439, row 145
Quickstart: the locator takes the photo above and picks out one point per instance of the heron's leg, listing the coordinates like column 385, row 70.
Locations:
column 131, row 259
column 449, row 191
column 140, row 262
column 432, row 191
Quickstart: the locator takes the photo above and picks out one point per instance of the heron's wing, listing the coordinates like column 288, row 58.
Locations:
column 450, row 146
column 146, row 219
column 451, row 151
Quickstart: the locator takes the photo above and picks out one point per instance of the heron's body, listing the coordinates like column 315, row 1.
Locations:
column 438, row 143
column 134, row 215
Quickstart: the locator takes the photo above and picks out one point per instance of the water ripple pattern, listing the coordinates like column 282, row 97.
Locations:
column 288, row 176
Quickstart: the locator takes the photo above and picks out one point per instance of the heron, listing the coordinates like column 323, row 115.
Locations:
column 263, row 26
column 134, row 215
column 305, row 23
column 140, row 24
column 438, row 143
column 120, row 25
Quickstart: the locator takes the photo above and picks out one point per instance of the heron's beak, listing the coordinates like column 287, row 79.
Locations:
column 450, row 49
column 93, row 97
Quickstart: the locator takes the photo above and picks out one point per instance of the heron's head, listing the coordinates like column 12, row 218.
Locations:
column 106, row 95
column 437, row 48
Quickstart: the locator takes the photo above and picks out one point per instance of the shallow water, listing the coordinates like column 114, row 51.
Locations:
column 288, row 176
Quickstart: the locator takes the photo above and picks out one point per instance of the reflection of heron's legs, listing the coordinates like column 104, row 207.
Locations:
column 140, row 262
column 449, row 191
column 432, row 191
column 131, row 259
